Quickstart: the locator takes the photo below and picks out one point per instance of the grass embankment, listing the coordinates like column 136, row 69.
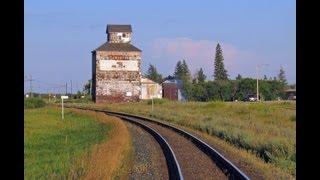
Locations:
column 111, row 159
column 266, row 129
column 69, row 148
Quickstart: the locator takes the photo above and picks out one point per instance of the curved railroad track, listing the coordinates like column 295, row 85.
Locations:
column 187, row 156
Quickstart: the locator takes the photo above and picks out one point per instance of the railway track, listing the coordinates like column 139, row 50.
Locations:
column 187, row 156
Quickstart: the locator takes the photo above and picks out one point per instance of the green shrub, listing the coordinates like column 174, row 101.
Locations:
column 33, row 103
column 157, row 101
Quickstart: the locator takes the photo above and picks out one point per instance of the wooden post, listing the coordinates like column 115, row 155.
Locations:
column 62, row 113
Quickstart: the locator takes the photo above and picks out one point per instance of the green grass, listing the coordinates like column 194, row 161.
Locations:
column 53, row 147
column 30, row 103
column 266, row 129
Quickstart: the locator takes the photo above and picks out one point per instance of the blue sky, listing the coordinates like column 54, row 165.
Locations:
column 60, row 35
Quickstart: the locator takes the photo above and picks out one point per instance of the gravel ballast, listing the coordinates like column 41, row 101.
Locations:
column 148, row 159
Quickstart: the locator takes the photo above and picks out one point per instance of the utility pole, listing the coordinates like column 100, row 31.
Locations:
column 66, row 88
column 71, row 86
column 62, row 112
column 30, row 85
column 257, row 69
column 90, row 87
column 257, row 83
column 48, row 93
column 31, row 94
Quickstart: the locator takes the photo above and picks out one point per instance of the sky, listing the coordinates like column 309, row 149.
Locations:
column 60, row 35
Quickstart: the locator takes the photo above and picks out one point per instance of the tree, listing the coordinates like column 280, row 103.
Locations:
column 87, row 87
column 235, row 89
column 78, row 95
column 201, row 76
column 292, row 86
column 282, row 77
column 186, row 74
column 178, row 72
column 168, row 78
column 239, row 77
column 225, row 90
column 153, row 74
column 246, row 86
column 212, row 89
column 220, row 73
column 182, row 72
column 199, row 92
column 265, row 77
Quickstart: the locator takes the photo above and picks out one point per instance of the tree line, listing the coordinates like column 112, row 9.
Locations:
column 198, row 88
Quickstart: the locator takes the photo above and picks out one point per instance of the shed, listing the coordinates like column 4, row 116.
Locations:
column 172, row 89
column 150, row 89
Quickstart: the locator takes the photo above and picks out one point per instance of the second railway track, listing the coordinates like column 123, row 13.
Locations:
column 194, row 158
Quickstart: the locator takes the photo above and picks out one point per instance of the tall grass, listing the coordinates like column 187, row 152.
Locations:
column 53, row 146
column 30, row 103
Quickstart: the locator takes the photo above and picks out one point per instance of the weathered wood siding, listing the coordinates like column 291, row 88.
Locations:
column 119, row 81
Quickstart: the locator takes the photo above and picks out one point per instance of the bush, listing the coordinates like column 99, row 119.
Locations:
column 33, row 103
column 157, row 101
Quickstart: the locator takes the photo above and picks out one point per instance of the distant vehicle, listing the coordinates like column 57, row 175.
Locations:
column 291, row 94
column 251, row 97
column 292, row 97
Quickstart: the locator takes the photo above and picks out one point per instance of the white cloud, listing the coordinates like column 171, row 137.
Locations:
column 200, row 53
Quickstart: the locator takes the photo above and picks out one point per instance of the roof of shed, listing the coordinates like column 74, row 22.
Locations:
column 175, row 81
column 117, row 47
column 118, row 28
column 145, row 80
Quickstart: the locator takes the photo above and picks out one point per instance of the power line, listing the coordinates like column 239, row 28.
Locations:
column 50, row 84
column 57, row 87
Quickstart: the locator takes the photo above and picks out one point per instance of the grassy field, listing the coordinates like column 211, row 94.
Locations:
column 266, row 129
column 66, row 149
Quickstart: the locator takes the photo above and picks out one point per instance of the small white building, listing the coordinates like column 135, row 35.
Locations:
column 150, row 89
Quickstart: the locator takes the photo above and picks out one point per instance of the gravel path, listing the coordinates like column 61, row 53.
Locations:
column 148, row 159
column 193, row 162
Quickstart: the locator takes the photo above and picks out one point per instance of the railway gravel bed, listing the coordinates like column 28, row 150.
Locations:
column 148, row 159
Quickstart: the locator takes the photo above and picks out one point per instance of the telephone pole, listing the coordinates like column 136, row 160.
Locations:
column 257, row 69
column 71, row 86
column 90, row 87
column 66, row 88
column 30, row 85
column 257, row 83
